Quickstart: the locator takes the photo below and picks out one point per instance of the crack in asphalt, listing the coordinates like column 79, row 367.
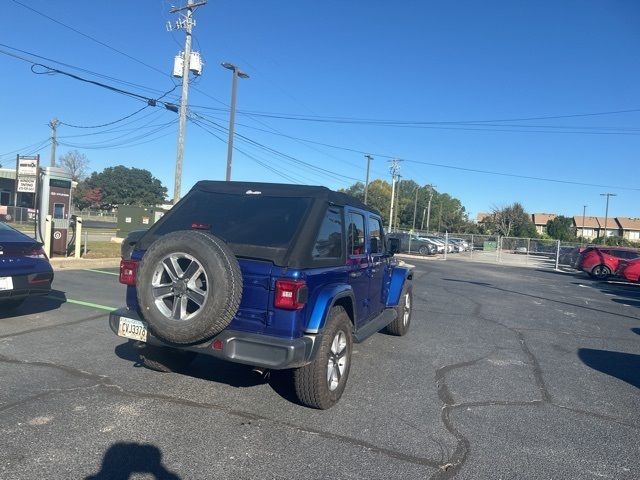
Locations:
column 104, row 382
column 457, row 460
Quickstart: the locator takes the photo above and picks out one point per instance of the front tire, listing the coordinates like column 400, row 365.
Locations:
column 423, row 250
column 320, row 384
column 400, row 326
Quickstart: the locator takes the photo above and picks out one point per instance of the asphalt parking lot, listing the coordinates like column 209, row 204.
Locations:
column 507, row 372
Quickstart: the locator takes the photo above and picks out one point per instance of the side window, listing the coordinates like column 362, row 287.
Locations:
column 329, row 241
column 355, row 234
column 375, row 236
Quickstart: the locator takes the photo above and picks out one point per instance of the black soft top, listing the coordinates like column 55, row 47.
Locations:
column 283, row 190
column 264, row 221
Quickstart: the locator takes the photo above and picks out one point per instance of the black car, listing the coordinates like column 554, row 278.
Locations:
column 25, row 270
column 413, row 244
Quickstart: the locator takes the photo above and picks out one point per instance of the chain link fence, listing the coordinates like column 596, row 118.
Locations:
column 536, row 252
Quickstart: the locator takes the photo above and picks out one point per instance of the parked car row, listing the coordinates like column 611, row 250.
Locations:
column 603, row 262
column 429, row 244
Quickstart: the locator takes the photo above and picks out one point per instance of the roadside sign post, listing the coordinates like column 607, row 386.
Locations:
column 557, row 254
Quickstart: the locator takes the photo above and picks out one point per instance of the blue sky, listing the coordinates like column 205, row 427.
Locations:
column 407, row 60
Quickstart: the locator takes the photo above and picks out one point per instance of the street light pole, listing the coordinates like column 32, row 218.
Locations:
column 606, row 212
column 232, row 116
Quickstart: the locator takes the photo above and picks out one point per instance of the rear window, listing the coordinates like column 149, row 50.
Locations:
column 254, row 220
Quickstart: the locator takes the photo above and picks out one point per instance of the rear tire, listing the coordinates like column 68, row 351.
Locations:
column 165, row 359
column 601, row 272
column 400, row 326
column 320, row 383
column 189, row 287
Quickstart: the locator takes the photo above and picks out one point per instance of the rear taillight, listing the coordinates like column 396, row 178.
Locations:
column 290, row 294
column 128, row 270
column 200, row 226
column 37, row 252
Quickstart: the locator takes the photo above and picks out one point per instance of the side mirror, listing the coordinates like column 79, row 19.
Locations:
column 393, row 245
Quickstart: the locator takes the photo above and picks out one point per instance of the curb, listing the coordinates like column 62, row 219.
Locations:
column 82, row 263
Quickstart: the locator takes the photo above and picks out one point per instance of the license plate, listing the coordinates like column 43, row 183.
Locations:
column 6, row 283
column 133, row 329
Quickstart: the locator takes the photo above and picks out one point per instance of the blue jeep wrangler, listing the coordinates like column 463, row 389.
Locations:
column 281, row 277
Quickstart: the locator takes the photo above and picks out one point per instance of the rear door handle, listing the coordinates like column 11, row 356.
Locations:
column 355, row 274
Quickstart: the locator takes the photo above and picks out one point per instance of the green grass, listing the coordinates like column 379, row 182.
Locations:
column 102, row 250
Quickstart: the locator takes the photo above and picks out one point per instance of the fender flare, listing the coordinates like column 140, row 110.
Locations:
column 399, row 276
column 324, row 302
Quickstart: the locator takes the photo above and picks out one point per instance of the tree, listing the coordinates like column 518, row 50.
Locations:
column 378, row 196
column 76, row 163
column 447, row 212
column 561, row 228
column 511, row 221
column 126, row 186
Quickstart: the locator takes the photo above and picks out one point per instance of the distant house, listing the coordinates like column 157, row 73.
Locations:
column 540, row 221
column 613, row 229
column 586, row 227
column 629, row 228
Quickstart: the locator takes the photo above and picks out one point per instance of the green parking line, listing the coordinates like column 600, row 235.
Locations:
column 84, row 304
column 101, row 271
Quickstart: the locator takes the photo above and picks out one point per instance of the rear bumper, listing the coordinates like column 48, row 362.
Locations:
column 29, row 285
column 241, row 347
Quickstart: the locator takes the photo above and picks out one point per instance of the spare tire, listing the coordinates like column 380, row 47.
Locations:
column 189, row 287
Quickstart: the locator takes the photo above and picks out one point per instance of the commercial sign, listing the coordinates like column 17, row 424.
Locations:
column 28, row 166
column 27, row 184
column 27, row 174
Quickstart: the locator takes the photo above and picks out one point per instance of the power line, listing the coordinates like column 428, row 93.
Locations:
column 93, row 39
column 344, row 119
column 68, row 65
column 105, row 124
column 251, row 157
column 321, row 170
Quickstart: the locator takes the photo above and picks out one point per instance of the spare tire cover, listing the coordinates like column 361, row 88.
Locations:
column 189, row 286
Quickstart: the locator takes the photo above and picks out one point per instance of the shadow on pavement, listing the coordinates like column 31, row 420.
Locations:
column 212, row 369
column 204, row 367
column 39, row 304
column 625, row 366
column 124, row 459
column 636, row 331
column 624, row 301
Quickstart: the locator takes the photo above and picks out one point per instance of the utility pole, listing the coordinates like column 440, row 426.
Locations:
column 584, row 212
column 606, row 212
column 394, row 168
column 397, row 209
column 415, row 210
column 429, row 206
column 366, row 184
column 187, row 23
column 54, row 139
column 424, row 212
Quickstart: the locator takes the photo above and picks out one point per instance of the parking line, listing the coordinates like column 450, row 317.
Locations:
column 84, row 304
column 101, row 271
